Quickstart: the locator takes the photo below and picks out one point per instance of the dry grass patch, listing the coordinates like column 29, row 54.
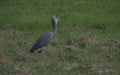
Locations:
column 97, row 69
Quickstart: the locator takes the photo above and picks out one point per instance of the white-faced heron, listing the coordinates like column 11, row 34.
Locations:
column 45, row 38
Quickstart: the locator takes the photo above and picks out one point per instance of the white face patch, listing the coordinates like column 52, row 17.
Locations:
column 55, row 20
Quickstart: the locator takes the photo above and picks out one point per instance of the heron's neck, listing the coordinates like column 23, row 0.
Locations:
column 54, row 29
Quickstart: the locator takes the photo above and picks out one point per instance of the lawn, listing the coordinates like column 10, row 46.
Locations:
column 87, row 41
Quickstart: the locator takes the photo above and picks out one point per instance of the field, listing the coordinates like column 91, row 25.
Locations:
column 87, row 41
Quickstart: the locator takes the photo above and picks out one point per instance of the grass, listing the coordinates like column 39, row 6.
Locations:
column 87, row 42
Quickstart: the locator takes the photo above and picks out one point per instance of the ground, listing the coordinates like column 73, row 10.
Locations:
column 87, row 41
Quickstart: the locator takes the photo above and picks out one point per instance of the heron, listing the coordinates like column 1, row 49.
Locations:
column 45, row 38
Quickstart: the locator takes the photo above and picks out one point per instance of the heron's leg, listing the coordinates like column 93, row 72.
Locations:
column 40, row 51
column 47, row 48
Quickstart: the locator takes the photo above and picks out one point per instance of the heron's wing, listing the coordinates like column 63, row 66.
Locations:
column 43, row 40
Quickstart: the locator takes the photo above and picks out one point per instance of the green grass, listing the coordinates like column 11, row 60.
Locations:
column 87, row 43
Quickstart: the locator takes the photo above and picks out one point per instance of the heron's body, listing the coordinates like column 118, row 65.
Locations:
column 42, row 41
column 45, row 39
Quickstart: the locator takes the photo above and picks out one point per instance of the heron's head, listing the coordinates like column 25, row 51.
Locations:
column 54, row 20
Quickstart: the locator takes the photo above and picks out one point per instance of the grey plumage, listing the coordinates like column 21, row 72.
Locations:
column 45, row 39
